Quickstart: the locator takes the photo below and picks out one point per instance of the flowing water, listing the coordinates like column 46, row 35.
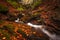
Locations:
column 42, row 28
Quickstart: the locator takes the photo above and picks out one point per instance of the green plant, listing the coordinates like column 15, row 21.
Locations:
column 22, row 32
column 35, row 15
column 5, row 34
column 20, row 9
column 36, row 3
column 13, row 2
column 9, row 27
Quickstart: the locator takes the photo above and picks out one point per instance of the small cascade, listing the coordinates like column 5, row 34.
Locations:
column 42, row 28
column 17, row 20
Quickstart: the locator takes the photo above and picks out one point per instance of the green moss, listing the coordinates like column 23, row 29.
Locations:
column 20, row 9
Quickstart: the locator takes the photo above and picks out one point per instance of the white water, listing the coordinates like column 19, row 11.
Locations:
column 17, row 20
column 52, row 36
column 42, row 28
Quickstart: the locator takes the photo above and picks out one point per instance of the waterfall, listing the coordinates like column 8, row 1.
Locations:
column 41, row 27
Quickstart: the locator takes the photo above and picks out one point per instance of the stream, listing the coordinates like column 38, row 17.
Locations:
column 42, row 28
